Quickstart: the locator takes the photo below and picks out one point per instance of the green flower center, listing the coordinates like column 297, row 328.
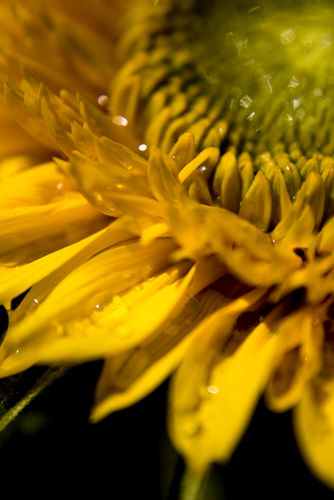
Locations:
column 255, row 81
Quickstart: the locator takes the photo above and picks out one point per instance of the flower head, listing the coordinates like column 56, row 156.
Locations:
column 185, row 222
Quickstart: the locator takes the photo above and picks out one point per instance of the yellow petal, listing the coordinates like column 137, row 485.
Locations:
column 207, row 158
column 26, row 117
column 313, row 426
column 111, row 153
column 162, row 173
column 120, row 323
column 97, row 181
column 299, row 339
column 257, row 203
column 28, row 233
column 35, row 186
column 55, row 266
column 132, row 375
column 247, row 251
column 281, row 204
column 204, row 425
column 184, row 151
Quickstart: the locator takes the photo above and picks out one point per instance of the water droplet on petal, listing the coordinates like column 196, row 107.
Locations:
column 287, row 36
column 103, row 100
column 119, row 120
column 130, row 277
column 190, row 427
column 59, row 327
column 147, row 272
column 171, row 329
column 245, row 101
column 296, row 103
column 213, row 389
column 192, row 305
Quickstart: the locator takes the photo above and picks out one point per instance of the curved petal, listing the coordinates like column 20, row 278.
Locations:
column 299, row 358
column 132, row 375
column 55, row 266
column 313, row 426
column 211, row 401
column 80, row 320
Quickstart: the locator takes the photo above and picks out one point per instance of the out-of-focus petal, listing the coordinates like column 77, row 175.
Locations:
column 211, row 399
column 313, row 426
column 132, row 375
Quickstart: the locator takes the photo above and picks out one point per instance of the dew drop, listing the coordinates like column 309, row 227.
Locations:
column 288, row 36
column 318, row 92
column 59, row 327
column 130, row 277
column 119, row 120
column 322, row 425
column 245, row 101
column 97, row 196
column 213, row 389
column 171, row 329
column 138, row 287
column 142, row 147
column 293, row 83
column 327, row 38
column 103, row 100
column 77, row 330
column 192, row 306
column 190, row 427
column 147, row 272
column 296, row 103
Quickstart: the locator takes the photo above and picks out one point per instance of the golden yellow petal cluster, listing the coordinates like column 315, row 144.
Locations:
column 166, row 204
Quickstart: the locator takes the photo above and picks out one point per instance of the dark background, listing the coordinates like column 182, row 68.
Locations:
column 51, row 449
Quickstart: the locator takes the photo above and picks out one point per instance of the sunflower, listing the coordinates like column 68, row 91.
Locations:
column 167, row 205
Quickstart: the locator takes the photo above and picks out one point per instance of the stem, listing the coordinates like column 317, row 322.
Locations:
column 49, row 376
column 191, row 486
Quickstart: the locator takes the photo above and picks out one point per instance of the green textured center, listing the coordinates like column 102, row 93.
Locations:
column 254, row 80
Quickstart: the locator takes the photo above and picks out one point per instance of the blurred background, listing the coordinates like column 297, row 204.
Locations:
column 51, row 449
